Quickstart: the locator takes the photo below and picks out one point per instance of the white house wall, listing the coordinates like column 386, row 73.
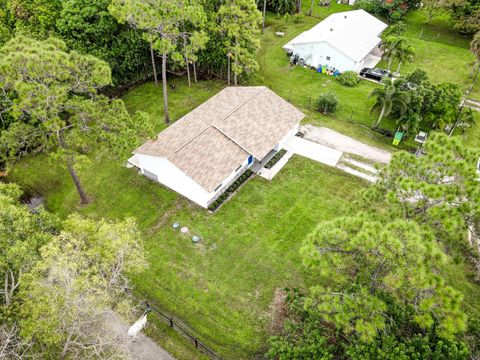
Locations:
column 315, row 54
column 291, row 133
column 172, row 177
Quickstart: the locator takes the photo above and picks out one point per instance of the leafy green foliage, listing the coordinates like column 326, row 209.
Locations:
column 363, row 256
column 35, row 18
column 307, row 336
column 58, row 108
column 348, row 78
column 389, row 97
column 22, row 234
column 88, row 27
column 281, row 7
column 79, row 280
column 327, row 102
column 440, row 189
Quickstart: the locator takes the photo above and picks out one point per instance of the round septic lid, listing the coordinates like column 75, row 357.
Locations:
column 176, row 225
column 196, row 239
column 184, row 229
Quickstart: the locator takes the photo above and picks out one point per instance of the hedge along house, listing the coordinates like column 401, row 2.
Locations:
column 346, row 40
column 204, row 152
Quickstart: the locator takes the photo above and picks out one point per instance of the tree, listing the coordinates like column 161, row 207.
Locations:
column 35, row 17
column 327, row 102
column 475, row 49
column 238, row 24
column 397, row 29
column 88, row 27
column 57, row 106
column 80, row 280
column 466, row 16
column 389, row 47
column 467, row 119
column 22, row 234
column 405, row 53
column 439, row 189
column 417, row 77
column 388, row 97
column 363, row 258
column 162, row 22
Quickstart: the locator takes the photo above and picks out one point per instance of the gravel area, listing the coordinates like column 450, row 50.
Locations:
column 335, row 140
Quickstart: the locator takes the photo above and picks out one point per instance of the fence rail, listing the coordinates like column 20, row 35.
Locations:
column 184, row 332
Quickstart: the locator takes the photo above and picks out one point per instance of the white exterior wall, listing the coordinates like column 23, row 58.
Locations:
column 291, row 133
column 316, row 54
column 175, row 179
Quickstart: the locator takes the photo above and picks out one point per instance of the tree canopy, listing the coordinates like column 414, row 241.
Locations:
column 57, row 106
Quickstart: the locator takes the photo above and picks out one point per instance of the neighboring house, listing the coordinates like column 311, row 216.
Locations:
column 204, row 152
column 346, row 41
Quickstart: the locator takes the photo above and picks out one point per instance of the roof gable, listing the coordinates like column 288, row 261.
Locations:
column 353, row 33
column 211, row 141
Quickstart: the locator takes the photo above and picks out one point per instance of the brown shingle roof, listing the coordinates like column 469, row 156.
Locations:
column 209, row 158
column 212, row 140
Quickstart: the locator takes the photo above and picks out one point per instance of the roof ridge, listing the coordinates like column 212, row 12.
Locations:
column 230, row 138
column 210, row 124
column 261, row 88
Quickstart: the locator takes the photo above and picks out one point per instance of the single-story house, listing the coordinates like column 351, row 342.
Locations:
column 203, row 153
column 346, row 40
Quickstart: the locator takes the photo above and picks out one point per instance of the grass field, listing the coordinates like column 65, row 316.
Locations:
column 222, row 288
column 442, row 53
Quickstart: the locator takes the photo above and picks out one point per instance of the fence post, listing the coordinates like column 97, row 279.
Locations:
column 196, row 342
column 171, row 322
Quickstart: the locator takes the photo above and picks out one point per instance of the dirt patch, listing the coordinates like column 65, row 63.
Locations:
column 278, row 311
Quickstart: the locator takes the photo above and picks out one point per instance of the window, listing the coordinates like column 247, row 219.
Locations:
column 150, row 175
column 238, row 168
column 218, row 187
column 328, row 57
column 250, row 159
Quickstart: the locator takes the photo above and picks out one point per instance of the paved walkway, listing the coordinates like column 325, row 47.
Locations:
column 312, row 150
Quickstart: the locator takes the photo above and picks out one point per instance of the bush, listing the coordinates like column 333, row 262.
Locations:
column 371, row 6
column 397, row 29
column 230, row 190
column 348, row 78
column 327, row 102
column 298, row 18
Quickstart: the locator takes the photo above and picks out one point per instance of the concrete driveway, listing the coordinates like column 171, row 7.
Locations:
column 313, row 150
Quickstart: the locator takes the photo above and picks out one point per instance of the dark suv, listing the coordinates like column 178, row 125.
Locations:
column 375, row 74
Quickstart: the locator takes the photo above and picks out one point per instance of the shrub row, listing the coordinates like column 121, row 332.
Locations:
column 275, row 159
column 230, row 190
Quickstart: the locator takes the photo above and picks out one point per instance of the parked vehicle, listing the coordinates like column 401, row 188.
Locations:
column 375, row 74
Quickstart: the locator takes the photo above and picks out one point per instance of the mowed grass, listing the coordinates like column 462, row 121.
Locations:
column 224, row 286
column 221, row 288
column 440, row 51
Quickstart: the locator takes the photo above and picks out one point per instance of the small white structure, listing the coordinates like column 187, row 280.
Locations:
column 346, row 40
column 204, row 152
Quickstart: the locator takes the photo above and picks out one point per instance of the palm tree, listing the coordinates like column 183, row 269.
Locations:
column 405, row 53
column 388, row 97
column 389, row 48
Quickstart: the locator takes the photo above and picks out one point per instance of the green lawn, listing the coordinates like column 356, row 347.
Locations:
column 439, row 50
column 222, row 287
